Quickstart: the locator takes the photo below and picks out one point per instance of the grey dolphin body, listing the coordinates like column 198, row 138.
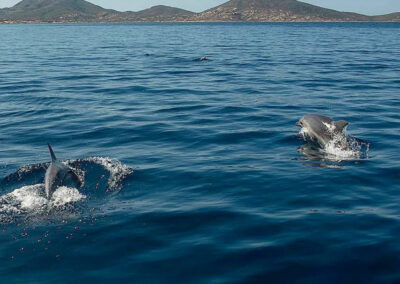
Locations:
column 322, row 130
column 58, row 174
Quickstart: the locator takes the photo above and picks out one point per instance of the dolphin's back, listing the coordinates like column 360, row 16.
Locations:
column 321, row 123
column 322, row 129
column 57, row 174
column 51, row 179
column 318, row 125
column 316, row 118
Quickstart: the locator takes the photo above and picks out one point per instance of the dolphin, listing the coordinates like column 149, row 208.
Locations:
column 58, row 174
column 203, row 58
column 322, row 130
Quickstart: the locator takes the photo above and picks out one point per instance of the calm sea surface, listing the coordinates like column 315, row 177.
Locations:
column 194, row 170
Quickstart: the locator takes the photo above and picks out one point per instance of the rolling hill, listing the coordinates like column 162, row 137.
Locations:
column 274, row 11
column 56, row 11
column 83, row 11
column 36, row 11
column 161, row 13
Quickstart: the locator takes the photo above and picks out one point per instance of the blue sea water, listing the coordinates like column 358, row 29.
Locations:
column 195, row 171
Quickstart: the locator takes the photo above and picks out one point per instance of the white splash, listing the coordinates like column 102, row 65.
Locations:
column 304, row 133
column 32, row 200
column 335, row 150
column 65, row 195
column 28, row 198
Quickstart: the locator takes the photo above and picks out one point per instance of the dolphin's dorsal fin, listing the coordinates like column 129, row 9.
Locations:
column 341, row 125
column 53, row 156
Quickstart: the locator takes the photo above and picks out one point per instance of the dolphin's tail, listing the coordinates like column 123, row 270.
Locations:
column 53, row 156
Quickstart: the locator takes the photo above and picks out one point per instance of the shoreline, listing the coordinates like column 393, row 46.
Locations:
column 183, row 22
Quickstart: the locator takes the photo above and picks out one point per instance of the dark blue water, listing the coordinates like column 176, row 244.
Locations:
column 194, row 170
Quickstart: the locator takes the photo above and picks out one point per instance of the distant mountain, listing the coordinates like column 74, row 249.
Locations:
column 235, row 10
column 83, row 11
column 274, row 11
column 56, row 11
column 160, row 13
column 394, row 17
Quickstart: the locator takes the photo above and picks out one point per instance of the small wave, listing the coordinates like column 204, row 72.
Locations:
column 117, row 170
column 34, row 173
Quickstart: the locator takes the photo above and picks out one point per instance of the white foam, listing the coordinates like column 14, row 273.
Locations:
column 29, row 198
column 334, row 149
column 64, row 195
column 304, row 132
column 336, row 152
column 32, row 200
column 335, row 146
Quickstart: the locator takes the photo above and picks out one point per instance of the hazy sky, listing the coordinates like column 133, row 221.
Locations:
column 371, row 7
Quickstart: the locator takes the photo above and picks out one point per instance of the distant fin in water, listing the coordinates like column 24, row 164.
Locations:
column 203, row 58
column 53, row 156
